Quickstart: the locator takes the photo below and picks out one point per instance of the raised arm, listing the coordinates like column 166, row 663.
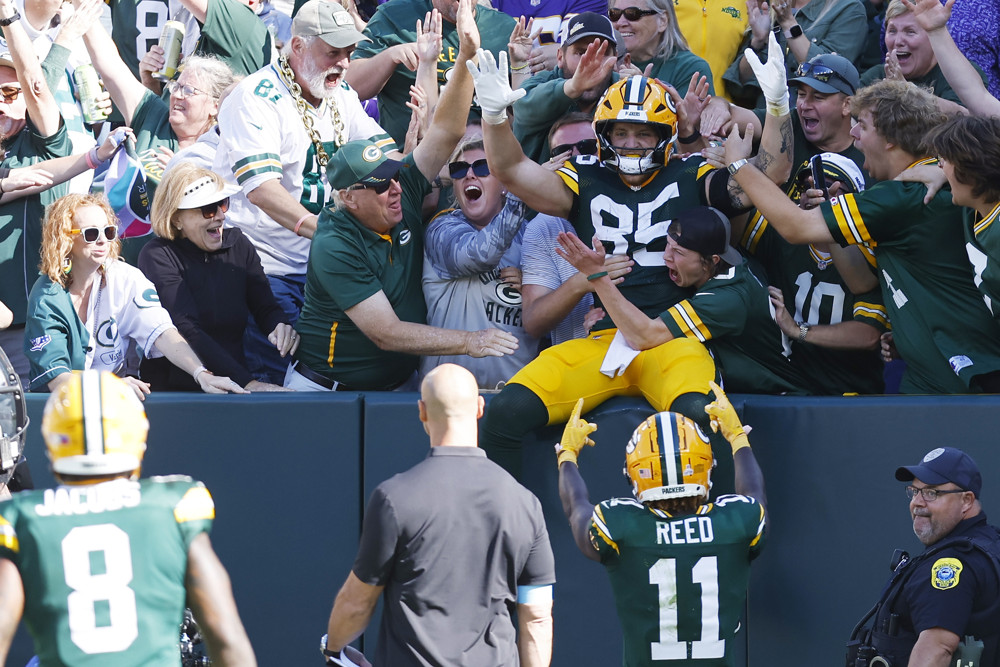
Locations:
column 749, row 478
column 572, row 488
column 41, row 105
column 537, row 187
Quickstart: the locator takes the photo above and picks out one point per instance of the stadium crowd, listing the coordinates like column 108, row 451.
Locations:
column 626, row 198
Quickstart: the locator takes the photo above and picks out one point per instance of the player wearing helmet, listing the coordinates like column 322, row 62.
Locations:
column 13, row 422
column 100, row 566
column 625, row 197
column 679, row 565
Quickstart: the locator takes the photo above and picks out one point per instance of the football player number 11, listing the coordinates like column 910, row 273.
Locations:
column 108, row 590
column 705, row 573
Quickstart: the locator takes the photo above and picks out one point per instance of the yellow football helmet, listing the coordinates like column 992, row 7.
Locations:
column 636, row 99
column 94, row 425
column 669, row 457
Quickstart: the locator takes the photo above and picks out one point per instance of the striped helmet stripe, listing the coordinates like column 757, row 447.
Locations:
column 634, row 90
column 93, row 425
column 669, row 459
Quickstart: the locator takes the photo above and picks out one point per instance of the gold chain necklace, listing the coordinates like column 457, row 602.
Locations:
column 339, row 138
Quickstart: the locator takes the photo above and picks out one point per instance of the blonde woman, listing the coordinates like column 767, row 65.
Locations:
column 86, row 306
column 209, row 279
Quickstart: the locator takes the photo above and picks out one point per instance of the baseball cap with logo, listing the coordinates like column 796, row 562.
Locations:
column 360, row 163
column 589, row 24
column 943, row 465
column 328, row 21
column 705, row 230
column 829, row 73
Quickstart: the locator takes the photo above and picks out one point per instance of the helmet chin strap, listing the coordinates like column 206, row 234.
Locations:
column 651, row 160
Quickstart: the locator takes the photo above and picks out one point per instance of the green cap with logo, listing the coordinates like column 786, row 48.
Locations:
column 360, row 163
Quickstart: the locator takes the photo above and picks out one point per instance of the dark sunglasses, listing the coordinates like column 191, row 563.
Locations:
column 631, row 13
column 91, row 234
column 459, row 170
column 10, row 93
column 821, row 73
column 584, row 146
column 208, row 210
column 378, row 188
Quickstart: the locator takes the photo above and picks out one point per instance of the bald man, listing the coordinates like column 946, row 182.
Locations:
column 452, row 545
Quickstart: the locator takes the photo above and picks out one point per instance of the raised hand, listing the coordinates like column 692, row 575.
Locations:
column 575, row 436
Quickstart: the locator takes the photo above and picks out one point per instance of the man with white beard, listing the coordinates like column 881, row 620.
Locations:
column 278, row 128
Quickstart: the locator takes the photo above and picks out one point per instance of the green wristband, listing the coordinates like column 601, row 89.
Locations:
column 595, row 276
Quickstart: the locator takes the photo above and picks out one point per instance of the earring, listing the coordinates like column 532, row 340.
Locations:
column 67, row 265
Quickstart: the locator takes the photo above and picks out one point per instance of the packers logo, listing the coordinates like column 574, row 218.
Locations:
column 945, row 573
column 371, row 154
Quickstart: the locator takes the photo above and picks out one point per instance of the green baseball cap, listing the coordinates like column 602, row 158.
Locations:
column 360, row 162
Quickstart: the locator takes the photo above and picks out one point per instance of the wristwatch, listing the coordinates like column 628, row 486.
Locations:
column 803, row 331
column 736, row 166
column 13, row 19
column 793, row 32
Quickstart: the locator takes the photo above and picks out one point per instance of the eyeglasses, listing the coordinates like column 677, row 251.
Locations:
column 208, row 210
column 584, row 146
column 631, row 13
column 177, row 90
column 91, row 234
column 928, row 494
column 378, row 188
column 460, row 169
column 10, row 93
column 821, row 73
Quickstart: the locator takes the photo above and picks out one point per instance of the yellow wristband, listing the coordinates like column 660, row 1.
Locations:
column 566, row 455
column 739, row 442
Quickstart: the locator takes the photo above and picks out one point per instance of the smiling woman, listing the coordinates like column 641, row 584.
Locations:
column 209, row 279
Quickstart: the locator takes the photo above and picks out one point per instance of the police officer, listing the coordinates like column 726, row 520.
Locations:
column 944, row 604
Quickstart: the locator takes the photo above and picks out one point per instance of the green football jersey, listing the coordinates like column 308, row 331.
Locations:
column 634, row 222
column 982, row 243
column 941, row 326
column 680, row 582
column 103, row 567
column 733, row 316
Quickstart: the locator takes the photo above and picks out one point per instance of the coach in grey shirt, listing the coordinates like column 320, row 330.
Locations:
column 454, row 543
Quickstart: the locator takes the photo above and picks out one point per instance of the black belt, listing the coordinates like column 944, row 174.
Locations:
column 321, row 380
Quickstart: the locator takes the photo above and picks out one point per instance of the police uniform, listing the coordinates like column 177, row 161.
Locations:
column 679, row 581
column 104, row 567
column 943, row 330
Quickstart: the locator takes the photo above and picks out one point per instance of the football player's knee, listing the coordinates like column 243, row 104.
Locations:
column 692, row 405
column 513, row 413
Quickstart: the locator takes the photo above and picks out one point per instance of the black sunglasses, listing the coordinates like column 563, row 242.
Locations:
column 821, row 73
column 631, row 13
column 91, row 234
column 584, row 146
column 208, row 210
column 378, row 188
column 459, row 170
column 10, row 93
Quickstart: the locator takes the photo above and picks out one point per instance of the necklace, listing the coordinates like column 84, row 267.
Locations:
column 339, row 137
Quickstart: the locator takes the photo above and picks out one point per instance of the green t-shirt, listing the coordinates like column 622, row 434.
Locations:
column 941, row 326
column 21, row 219
column 732, row 315
column 349, row 263
column 634, row 222
column 934, row 80
column 982, row 243
column 678, row 69
column 152, row 129
column 136, row 26
column 680, row 582
column 395, row 23
column 103, row 567
column 234, row 33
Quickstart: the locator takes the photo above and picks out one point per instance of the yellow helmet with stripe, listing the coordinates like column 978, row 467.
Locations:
column 94, row 425
column 669, row 457
column 636, row 99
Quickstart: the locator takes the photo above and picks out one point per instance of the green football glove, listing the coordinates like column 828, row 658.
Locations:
column 575, row 435
column 724, row 418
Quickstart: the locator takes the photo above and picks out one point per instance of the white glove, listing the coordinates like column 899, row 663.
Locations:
column 771, row 76
column 493, row 86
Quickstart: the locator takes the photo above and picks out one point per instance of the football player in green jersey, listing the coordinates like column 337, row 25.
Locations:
column 941, row 327
column 626, row 196
column 679, row 565
column 100, row 567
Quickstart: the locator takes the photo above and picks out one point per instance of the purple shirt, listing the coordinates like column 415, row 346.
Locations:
column 975, row 27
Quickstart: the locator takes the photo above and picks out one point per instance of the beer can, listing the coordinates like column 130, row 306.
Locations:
column 88, row 87
column 171, row 40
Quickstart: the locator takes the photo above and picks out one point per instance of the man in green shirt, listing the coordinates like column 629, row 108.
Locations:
column 941, row 326
column 679, row 565
column 102, row 566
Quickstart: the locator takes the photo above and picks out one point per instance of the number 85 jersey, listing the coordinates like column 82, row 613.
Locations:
column 680, row 582
column 103, row 567
column 634, row 222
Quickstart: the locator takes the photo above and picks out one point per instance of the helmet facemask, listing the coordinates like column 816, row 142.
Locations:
column 13, row 419
column 642, row 101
